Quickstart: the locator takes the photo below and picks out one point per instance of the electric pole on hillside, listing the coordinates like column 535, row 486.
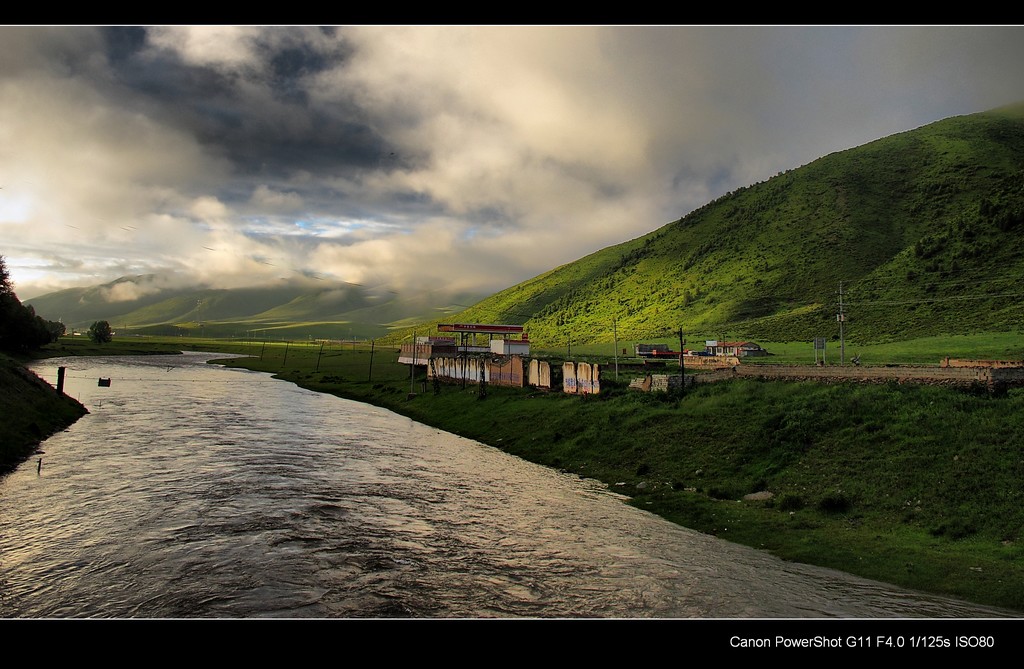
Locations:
column 615, row 338
column 682, row 367
column 841, row 317
column 412, row 367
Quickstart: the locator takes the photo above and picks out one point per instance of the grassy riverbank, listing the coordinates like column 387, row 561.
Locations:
column 31, row 412
column 914, row 485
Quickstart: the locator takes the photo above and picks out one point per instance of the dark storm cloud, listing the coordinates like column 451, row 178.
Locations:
column 225, row 108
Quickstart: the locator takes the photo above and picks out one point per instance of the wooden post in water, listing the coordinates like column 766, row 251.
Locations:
column 60, row 380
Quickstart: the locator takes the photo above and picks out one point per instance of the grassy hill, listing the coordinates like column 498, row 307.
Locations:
column 920, row 230
column 297, row 310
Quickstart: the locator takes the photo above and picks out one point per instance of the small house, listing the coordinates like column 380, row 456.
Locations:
column 510, row 347
column 740, row 349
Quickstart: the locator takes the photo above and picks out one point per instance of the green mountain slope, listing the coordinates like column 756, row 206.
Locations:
column 299, row 309
column 921, row 230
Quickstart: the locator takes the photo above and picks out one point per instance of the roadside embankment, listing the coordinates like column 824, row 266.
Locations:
column 964, row 374
column 30, row 411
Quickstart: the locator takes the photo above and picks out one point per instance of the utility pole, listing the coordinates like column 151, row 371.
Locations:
column 615, row 336
column 841, row 317
column 412, row 367
column 682, row 368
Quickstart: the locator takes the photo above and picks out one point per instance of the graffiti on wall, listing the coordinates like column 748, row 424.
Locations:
column 577, row 378
column 581, row 378
column 495, row 371
column 539, row 374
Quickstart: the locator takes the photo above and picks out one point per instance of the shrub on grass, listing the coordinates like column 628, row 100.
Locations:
column 957, row 528
column 791, row 502
column 758, row 486
column 716, row 492
column 835, row 502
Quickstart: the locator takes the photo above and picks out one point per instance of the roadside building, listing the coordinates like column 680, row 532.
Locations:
column 425, row 348
column 740, row 349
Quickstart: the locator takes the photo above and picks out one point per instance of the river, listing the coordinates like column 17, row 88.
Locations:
column 195, row 491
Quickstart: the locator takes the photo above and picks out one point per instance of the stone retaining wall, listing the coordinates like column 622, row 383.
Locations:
column 710, row 361
column 989, row 364
column 962, row 376
column 659, row 382
column 991, row 377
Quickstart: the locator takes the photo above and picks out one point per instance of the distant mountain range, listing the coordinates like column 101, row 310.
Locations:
column 146, row 304
column 920, row 233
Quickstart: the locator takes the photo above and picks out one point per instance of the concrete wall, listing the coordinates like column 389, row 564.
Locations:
column 581, row 378
column 508, row 372
column 466, row 368
column 577, row 378
column 539, row 374
column 588, row 378
column 569, row 378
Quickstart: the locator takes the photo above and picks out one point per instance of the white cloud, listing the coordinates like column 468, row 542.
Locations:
column 209, row 209
column 221, row 47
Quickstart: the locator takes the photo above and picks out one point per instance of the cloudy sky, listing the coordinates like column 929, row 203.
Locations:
column 467, row 157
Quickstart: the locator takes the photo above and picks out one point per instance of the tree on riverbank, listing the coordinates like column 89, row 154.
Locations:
column 100, row 332
column 20, row 328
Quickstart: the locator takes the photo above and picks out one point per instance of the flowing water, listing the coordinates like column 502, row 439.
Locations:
column 191, row 490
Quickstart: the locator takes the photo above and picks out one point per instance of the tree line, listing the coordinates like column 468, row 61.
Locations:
column 20, row 328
